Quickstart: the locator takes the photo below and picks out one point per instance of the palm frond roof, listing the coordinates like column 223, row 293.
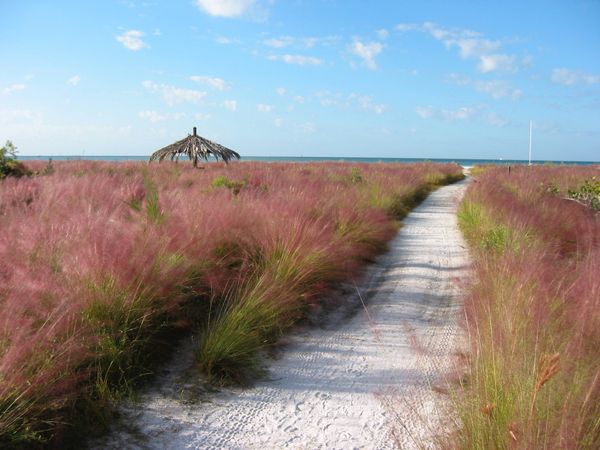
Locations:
column 196, row 148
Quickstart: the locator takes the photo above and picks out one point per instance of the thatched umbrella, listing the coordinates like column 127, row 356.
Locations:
column 195, row 147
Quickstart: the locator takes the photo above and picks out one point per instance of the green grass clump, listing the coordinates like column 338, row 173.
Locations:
column 253, row 315
column 248, row 320
column 153, row 210
column 119, row 318
column 233, row 185
column 355, row 176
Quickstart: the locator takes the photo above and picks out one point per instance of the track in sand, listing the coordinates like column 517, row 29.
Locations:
column 363, row 381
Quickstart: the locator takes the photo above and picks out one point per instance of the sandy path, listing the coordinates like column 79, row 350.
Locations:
column 361, row 382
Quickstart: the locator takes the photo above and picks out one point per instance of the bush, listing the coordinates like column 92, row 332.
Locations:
column 223, row 181
column 588, row 193
column 9, row 166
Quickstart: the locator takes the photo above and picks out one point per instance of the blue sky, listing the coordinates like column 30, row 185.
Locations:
column 456, row 79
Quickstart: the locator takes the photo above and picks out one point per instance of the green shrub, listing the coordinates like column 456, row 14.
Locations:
column 223, row 181
column 9, row 166
column 588, row 193
column 355, row 176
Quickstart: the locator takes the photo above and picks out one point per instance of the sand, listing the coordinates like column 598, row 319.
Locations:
column 368, row 377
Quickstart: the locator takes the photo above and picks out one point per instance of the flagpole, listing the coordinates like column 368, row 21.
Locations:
column 530, row 128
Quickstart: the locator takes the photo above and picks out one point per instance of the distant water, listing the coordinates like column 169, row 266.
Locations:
column 462, row 162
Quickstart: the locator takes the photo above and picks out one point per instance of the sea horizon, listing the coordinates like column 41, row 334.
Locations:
column 465, row 162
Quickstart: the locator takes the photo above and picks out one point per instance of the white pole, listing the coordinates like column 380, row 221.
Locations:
column 530, row 127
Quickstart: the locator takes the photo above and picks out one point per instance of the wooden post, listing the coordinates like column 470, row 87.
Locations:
column 194, row 131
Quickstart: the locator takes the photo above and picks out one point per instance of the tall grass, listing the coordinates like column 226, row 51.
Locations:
column 533, row 313
column 103, row 263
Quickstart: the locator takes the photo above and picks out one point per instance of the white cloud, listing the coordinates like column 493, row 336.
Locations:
column 351, row 101
column 461, row 114
column 231, row 105
column 173, row 95
column 425, row 112
column 405, row 27
column 225, row 8
column 261, row 107
column 327, row 98
column 329, row 102
column 278, row 122
column 15, row 115
column 366, row 51
column 223, row 40
column 202, row 116
column 383, row 33
column 310, row 42
column 496, row 88
column 301, row 42
column 13, row 88
column 152, row 116
column 366, row 102
column 217, row 83
column 376, row 108
column 471, row 45
column 497, row 120
column 155, row 117
column 297, row 59
column 527, row 61
column 569, row 77
column 74, row 80
column 280, row 91
column 132, row 40
column 280, row 42
column 497, row 62
column 548, row 127
column 299, row 99
column 307, row 127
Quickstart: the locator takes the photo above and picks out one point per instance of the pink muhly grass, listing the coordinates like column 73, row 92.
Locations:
column 97, row 258
column 532, row 312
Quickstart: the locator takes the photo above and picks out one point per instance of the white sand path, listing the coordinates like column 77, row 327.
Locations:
column 363, row 381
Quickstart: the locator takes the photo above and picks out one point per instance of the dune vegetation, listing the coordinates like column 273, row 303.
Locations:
column 103, row 266
column 533, row 312
column 9, row 166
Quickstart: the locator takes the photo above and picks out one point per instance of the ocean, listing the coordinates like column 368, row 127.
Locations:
column 462, row 162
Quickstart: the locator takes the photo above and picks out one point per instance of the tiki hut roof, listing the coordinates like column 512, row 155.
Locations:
column 195, row 147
